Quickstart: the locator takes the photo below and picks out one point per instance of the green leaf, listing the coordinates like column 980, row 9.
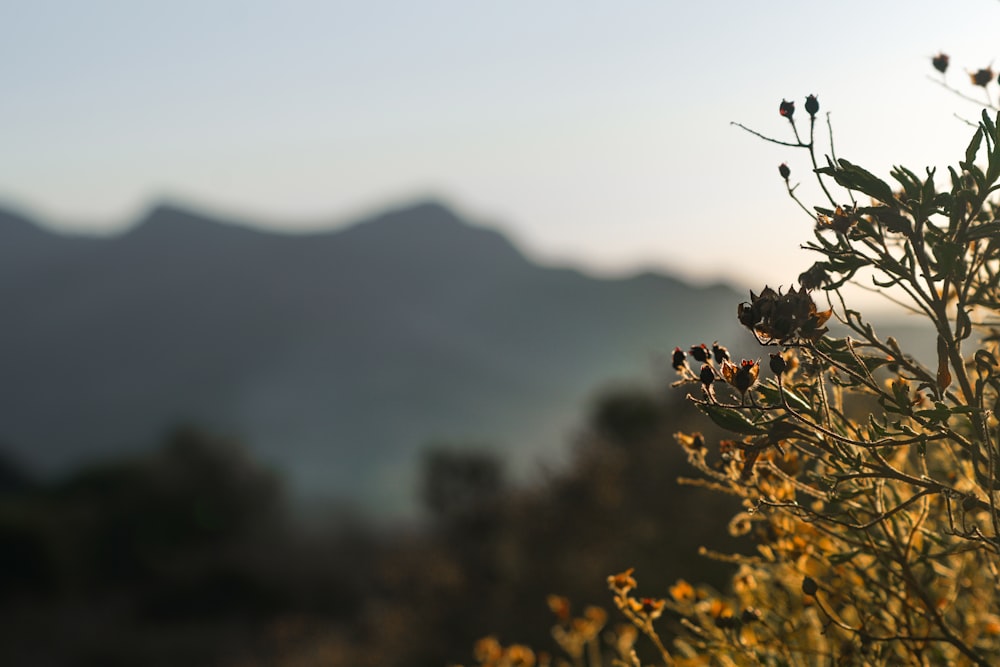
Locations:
column 857, row 178
column 731, row 420
column 970, row 152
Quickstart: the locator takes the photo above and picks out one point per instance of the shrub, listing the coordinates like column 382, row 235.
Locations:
column 868, row 477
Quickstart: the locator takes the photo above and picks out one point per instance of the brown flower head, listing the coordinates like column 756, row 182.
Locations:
column 814, row 276
column 774, row 316
column 940, row 62
column 981, row 77
column 844, row 217
column 743, row 376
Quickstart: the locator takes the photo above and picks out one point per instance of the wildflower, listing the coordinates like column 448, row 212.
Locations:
column 940, row 62
column 844, row 217
column 812, row 106
column 784, row 170
column 519, row 655
column 787, row 109
column 650, row 608
column 694, row 442
column 682, row 591
column 981, row 77
column 559, row 606
column 740, row 524
column 622, row 582
column 742, row 377
column 487, row 649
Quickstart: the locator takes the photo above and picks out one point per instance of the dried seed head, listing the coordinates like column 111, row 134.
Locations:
column 809, row 586
column 981, row 77
column 787, row 109
column 720, row 353
column 784, row 171
column 678, row 360
column 940, row 62
column 778, row 365
column 741, row 377
column 700, row 353
column 812, row 106
column 707, row 375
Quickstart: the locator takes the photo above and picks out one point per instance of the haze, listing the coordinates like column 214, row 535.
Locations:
column 595, row 133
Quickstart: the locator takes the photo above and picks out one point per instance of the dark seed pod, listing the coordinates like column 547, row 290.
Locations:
column 720, row 353
column 812, row 106
column 707, row 375
column 940, row 62
column 678, row 360
column 784, row 171
column 787, row 109
column 700, row 353
column 809, row 586
column 778, row 365
column 982, row 77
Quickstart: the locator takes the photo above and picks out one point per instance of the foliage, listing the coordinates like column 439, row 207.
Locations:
column 869, row 478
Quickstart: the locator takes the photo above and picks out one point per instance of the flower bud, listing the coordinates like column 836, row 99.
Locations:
column 809, row 586
column 784, row 171
column 812, row 106
column 787, row 109
column 940, row 62
column 707, row 375
column 778, row 365
column 678, row 360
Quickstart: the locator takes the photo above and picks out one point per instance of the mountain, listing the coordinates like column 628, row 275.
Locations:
column 335, row 355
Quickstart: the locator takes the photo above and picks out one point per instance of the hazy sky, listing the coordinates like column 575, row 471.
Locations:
column 593, row 132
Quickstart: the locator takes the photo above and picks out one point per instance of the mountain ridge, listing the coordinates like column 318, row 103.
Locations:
column 336, row 355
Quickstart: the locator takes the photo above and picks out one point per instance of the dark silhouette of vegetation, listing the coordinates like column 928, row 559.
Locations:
column 189, row 556
column 877, row 532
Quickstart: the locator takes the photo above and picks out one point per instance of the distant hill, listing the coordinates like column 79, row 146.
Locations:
column 336, row 356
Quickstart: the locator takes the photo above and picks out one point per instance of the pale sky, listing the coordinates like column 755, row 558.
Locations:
column 595, row 133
